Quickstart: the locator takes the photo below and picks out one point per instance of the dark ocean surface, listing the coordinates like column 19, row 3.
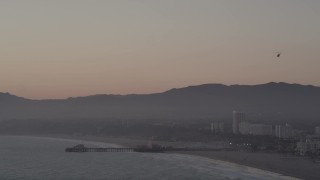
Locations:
column 38, row 158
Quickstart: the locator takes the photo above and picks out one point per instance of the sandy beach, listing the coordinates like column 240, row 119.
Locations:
column 299, row 167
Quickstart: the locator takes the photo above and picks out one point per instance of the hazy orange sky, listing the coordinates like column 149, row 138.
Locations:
column 63, row 48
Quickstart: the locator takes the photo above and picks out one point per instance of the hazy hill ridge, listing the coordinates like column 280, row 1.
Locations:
column 203, row 101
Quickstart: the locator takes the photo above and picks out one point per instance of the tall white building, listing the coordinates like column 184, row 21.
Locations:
column 237, row 118
column 284, row 132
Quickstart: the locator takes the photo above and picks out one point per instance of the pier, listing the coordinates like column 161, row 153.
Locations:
column 154, row 149
column 85, row 149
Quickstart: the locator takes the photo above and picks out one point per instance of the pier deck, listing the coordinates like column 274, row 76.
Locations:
column 86, row 149
column 99, row 149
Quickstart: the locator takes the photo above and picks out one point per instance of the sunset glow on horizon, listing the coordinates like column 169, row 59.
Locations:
column 69, row 48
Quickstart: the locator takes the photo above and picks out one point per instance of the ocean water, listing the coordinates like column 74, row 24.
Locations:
column 33, row 158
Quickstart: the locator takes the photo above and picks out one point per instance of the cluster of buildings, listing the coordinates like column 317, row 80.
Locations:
column 217, row 127
column 240, row 126
column 284, row 132
column 310, row 145
column 255, row 129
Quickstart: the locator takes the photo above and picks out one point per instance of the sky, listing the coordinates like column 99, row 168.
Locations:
column 68, row 48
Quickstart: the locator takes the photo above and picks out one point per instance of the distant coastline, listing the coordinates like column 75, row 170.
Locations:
column 276, row 163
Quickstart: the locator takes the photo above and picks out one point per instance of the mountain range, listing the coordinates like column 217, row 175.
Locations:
column 271, row 100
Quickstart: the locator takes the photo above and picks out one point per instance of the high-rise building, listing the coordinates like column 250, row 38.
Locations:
column 237, row 118
column 284, row 132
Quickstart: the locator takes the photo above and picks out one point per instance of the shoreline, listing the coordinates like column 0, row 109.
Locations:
column 272, row 164
column 295, row 167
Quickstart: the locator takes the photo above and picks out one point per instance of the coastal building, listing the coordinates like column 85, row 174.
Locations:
column 237, row 118
column 244, row 127
column 284, row 132
column 301, row 148
column 212, row 128
column 217, row 127
column 255, row 129
column 221, row 127
column 310, row 146
column 317, row 130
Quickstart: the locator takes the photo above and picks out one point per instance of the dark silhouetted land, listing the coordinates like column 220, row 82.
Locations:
column 272, row 101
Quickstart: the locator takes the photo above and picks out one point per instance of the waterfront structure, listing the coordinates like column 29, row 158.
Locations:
column 284, row 132
column 237, row 118
column 155, row 148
